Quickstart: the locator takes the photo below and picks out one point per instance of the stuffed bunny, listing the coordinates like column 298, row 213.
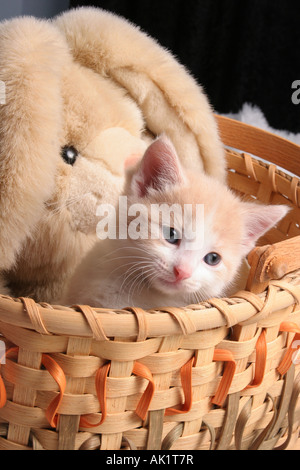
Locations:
column 83, row 93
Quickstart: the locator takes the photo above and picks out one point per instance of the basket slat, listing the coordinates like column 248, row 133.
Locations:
column 69, row 424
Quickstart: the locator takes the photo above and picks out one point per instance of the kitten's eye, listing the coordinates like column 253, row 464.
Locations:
column 212, row 259
column 171, row 235
column 69, row 154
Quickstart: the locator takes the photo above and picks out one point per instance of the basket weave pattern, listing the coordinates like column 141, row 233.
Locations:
column 223, row 374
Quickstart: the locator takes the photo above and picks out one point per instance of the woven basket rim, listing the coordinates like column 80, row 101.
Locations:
column 67, row 321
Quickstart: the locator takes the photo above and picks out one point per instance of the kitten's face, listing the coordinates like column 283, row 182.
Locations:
column 200, row 257
column 197, row 255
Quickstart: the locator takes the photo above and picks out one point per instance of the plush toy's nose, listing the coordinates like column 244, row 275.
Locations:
column 181, row 273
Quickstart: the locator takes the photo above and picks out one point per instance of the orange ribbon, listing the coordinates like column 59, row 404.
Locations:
column 224, row 356
column 287, row 360
column 57, row 373
column 261, row 360
column 3, row 396
column 186, row 382
column 223, row 388
column 139, row 370
column 143, row 405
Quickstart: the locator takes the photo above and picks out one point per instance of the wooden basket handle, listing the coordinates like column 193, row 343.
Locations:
column 272, row 262
column 260, row 143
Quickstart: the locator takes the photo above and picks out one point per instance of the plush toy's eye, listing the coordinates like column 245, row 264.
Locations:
column 69, row 154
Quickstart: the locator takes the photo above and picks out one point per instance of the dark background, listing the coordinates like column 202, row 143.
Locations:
column 39, row 8
column 239, row 50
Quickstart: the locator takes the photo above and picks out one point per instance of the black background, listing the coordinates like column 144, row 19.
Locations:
column 239, row 50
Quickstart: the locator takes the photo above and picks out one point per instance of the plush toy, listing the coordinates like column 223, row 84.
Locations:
column 83, row 93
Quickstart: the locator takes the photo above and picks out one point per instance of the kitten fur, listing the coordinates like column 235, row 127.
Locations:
column 152, row 273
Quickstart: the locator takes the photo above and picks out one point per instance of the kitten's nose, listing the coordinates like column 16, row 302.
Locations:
column 181, row 273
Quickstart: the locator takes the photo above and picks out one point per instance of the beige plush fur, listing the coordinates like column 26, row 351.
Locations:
column 94, row 81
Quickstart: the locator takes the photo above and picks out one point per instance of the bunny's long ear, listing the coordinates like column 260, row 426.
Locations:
column 32, row 53
column 170, row 99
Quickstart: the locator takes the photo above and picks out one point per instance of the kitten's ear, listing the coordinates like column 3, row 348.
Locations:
column 159, row 167
column 258, row 220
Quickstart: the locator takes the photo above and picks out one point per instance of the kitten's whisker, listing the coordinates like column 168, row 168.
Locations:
column 137, row 284
column 132, row 288
column 135, row 268
column 139, row 279
column 156, row 276
column 134, row 271
column 198, row 296
column 124, row 248
column 139, row 268
column 124, row 257
column 145, row 280
column 122, row 266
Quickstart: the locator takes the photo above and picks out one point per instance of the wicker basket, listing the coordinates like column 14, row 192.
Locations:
column 223, row 374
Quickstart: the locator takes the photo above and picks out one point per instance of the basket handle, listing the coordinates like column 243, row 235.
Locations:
column 261, row 143
column 272, row 262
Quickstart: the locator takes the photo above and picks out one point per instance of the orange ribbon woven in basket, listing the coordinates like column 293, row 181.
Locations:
column 224, row 356
column 101, row 381
column 260, row 362
column 57, row 373
column 288, row 359
column 142, row 371
column 3, row 396
column 2, row 393
column 223, row 388
column 186, row 382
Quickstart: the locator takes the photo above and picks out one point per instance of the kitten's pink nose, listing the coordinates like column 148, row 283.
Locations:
column 181, row 273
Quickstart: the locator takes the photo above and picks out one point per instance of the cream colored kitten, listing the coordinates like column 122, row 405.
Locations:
column 196, row 255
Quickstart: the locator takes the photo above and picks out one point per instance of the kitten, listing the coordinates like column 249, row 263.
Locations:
column 181, row 264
